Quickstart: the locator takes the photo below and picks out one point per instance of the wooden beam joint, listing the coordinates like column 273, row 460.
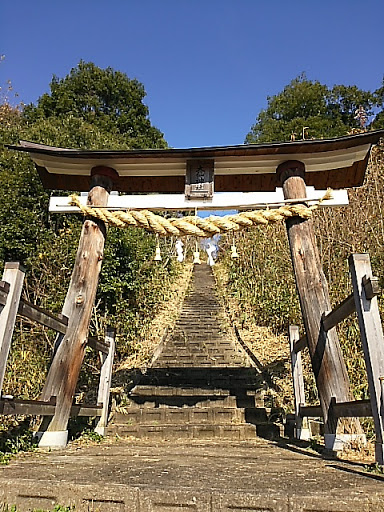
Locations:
column 290, row 169
column 104, row 177
column 300, row 344
column 371, row 287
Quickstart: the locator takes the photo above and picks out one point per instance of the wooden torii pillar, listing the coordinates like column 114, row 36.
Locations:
column 324, row 347
column 65, row 367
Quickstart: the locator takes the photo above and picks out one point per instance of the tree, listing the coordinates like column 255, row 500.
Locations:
column 131, row 287
column 378, row 122
column 309, row 109
column 104, row 98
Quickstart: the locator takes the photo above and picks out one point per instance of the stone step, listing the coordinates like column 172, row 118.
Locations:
column 202, row 346
column 201, row 364
column 180, row 401
column 200, row 341
column 187, row 397
column 148, row 390
column 191, row 308
column 143, row 390
column 208, row 378
column 204, row 319
column 194, row 303
column 201, row 385
column 197, row 360
column 196, row 355
column 180, row 415
column 193, row 355
column 238, row 432
column 207, row 319
column 183, row 346
column 221, row 413
column 163, row 396
column 212, row 336
column 187, row 337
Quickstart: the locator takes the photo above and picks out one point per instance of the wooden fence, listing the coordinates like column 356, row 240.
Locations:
column 363, row 300
column 11, row 305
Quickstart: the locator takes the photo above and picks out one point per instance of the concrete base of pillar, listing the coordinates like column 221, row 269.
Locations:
column 337, row 442
column 47, row 439
column 303, row 434
column 101, row 431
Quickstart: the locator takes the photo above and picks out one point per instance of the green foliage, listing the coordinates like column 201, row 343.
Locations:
column 23, row 213
column 91, row 435
column 378, row 123
column 261, row 279
column 376, row 468
column 18, row 439
column 308, row 109
column 91, row 108
column 132, row 285
column 73, row 132
column 104, row 98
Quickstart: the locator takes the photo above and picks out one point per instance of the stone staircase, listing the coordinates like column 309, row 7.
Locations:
column 202, row 384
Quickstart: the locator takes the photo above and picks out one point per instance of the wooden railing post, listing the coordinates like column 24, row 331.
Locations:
column 372, row 341
column 14, row 276
column 327, row 359
column 301, row 429
column 105, row 381
column 65, row 368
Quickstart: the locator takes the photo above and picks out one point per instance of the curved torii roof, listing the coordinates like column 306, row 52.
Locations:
column 336, row 163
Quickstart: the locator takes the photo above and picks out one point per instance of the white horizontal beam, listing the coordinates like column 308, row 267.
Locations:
column 219, row 201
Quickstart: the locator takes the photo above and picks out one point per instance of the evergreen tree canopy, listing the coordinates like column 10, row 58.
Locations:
column 104, row 98
column 308, row 109
column 379, row 100
column 131, row 287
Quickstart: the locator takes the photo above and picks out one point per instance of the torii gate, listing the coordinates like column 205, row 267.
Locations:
column 249, row 177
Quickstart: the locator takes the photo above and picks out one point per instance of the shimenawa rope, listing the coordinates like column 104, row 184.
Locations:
column 194, row 225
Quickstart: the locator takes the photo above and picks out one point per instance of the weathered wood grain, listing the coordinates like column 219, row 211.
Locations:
column 339, row 313
column 302, row 431
column 17, row 407
column 300, row 344
column 42, row 316
column 327, row 359
column 98, row 344
column 352, row 409
column 14, row 276
column 64, row 371
column 105, row 381
column 372, row 341
column 4, row 289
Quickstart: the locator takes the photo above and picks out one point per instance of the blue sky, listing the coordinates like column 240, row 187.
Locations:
column 207, row 66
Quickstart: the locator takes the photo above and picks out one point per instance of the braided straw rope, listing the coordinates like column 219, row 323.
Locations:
column 194, row 225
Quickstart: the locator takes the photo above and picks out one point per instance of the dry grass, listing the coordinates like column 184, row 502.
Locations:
column 152, row 333
column 271, row 349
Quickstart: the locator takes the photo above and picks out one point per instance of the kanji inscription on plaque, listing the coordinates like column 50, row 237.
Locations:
column 199, row 179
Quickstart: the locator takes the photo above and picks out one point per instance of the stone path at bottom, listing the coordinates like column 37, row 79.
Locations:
column 138, row 476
